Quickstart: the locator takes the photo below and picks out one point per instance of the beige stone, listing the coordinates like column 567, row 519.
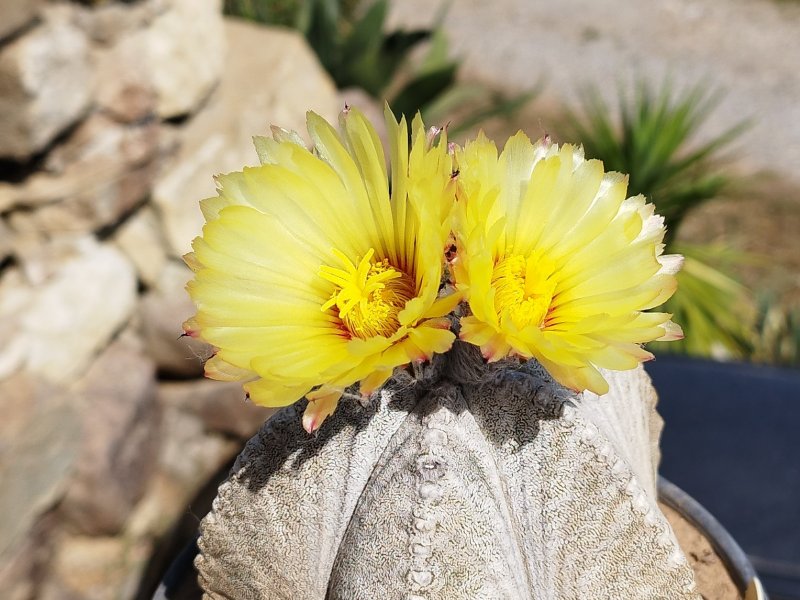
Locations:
column 99, row 174
column 45, row 85
column 221, row 406
column 107, row 22
column 14, row 15
column 141, row 240
column 95, row 568
column 275, row 85
column 85, row 562
column 124, row 88
column 76, row 313
column 39, row 446
column 20, row 570
column 185, row 54
column 16, row 295
column 191, row 455
column 40, row 257
column 162, row 311
column 120, row 439
column 6, row 248
column 163, row 504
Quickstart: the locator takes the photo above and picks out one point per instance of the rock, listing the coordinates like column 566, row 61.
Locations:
column 100, row 173
column 40, row 258
column 124, row 90
column 158, row 57
column 190, row 455
column 120, row 440
column 45, row 85
column 16, row 295
column 106, row 22
column 76, row 313
column 162, row 311
column 141, row 240
column 486, row 481
column 221, row 406
column 186, row 52
column 21, row 573
column 16, row 576
column 275, row 85
column 14, row 15
column 94, row 568
column 6, row 248
column 162, row 505
column 98, row 137
column 40, row 437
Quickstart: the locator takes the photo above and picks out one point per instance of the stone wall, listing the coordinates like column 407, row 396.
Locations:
column 113, row 118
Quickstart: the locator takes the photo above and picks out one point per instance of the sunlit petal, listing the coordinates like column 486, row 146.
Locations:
column 556, row 264
column 313, row 274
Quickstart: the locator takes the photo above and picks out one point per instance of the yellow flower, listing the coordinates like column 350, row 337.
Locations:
column 309, row 278
column 556, row 263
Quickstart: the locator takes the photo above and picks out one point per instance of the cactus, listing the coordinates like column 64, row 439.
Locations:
column 470, row 480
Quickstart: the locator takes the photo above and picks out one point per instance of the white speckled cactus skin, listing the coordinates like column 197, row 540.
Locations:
column 476, row 482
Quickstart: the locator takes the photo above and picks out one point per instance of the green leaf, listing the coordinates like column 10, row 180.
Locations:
column 652, row 144
column 438, row 54
column 422, row 90
column 323, row 33
column 367, row 34
column 370, row 59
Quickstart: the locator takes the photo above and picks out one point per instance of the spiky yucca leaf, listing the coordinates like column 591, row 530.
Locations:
column 777, row 339
column 652, row 144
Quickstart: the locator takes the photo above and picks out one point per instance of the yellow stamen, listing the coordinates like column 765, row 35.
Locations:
column 368, row 296
column 524, row 289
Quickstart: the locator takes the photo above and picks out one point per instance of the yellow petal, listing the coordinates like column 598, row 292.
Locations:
column 333, row 152
column 444, row 305
column 271, row 394
column 555, row 263
column 219, row 369
column 375, row 380
column 432, row 340
column 365, row 148
column 306, row 262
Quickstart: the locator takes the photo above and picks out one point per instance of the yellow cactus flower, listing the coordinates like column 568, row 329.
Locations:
column 309, row 277
column 556, row 263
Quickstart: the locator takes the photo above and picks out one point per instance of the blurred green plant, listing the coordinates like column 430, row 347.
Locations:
column 276, row 12
column 652, row 141
column 349, row 39
column 715, row 310
column 777, row 339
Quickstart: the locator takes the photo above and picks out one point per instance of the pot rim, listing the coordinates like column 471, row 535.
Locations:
column 732, row 555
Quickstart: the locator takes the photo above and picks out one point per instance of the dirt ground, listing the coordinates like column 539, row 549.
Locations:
column 713, row 580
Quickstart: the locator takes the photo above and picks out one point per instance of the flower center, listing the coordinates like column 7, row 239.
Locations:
column 524, row 289
column 368, row 296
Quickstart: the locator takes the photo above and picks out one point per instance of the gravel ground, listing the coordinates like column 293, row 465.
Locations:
column 749, row 49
